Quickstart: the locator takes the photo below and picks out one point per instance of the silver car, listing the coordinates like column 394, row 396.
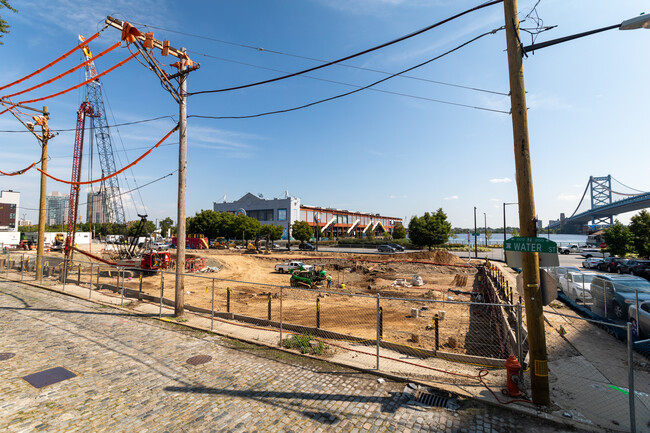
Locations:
column 643, row 318
column 577, row 286
column 591, row 262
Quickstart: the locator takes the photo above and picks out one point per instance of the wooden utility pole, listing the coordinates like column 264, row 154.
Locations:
column 530, row 261
column 42, row 214
column 179, row 304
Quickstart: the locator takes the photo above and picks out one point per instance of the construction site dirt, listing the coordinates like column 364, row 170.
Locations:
column 432, row 316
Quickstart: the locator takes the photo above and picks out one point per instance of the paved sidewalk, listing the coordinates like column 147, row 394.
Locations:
column 132, row 375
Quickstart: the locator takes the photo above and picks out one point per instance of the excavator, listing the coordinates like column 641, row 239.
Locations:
column 257, row 248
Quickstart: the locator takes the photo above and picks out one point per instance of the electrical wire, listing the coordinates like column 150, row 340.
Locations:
column 360, row 53
column 69, row 71
column 83, row 83
column 354, row 85
column 110, row 126
column 38, row 71
column 118, row 171
column 366, row 87
column 121, row 193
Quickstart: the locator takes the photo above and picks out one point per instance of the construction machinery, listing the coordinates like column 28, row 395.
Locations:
column 262, row 245
column 220, row 244
column 310, row 278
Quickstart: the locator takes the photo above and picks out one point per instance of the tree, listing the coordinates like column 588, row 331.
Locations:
column 203, row 223
column 399, row 232
column 370, row 235
column 273, row 231
column 430, row 229
column 618, row 238
column 247, row 226
column 640, row 228
column 165, row 225
column 133, row 226
column 488, row 235
column 4, row 25
column 301, row 230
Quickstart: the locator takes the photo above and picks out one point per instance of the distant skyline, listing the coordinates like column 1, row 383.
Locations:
column 407, row 146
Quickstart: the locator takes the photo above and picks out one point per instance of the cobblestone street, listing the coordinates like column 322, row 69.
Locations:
column 132, row 376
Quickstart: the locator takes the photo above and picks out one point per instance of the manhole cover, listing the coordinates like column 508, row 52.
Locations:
column 48, row 377
column 199, row 359
column 429, row 399
column 6, row 355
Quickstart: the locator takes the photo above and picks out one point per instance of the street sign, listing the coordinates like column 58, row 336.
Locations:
column 530, row 245
column 476, row 234
column 513, row 259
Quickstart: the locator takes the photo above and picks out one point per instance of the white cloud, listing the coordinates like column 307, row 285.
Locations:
column 392, row 196
column 501, row 180
column 453, row 197
column 567, row 197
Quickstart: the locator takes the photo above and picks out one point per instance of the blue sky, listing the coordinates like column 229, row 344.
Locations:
column 372, row 151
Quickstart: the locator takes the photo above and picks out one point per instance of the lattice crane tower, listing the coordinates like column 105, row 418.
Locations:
column 99, row 125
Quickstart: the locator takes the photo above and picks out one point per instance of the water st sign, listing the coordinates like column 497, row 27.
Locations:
column 530, row 245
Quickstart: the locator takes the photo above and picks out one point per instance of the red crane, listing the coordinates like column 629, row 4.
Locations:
column 84, row 111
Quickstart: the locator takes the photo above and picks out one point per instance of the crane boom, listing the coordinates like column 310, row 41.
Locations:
column 84, row 110
column 99, row 125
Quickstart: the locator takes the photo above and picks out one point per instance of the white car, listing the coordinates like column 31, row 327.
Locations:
column 577, row 286
column 591, row 263
column 159, row 246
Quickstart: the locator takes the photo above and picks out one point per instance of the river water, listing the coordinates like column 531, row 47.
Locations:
column 497, row 238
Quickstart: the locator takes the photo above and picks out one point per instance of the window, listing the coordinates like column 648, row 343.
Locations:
column 282, row 214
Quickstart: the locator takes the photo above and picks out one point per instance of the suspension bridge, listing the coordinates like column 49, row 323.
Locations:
column 603, row 206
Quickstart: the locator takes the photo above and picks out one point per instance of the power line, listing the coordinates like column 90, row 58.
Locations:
column 366, row 87
column 92, row 128
column 360, row 53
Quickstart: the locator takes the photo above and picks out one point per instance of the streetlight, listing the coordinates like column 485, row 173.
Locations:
column 485, row 223
column 642, row 21
column 504, row 221
column 475, row 236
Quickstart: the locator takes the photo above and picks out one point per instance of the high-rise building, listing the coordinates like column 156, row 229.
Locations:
column 9, row 202
column 57, row 208
column 96, row 207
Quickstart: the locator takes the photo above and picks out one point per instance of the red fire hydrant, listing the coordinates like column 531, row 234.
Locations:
column 512, row 369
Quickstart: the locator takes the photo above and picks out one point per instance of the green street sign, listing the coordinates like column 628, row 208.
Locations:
column 476, row 234
column 530, row 245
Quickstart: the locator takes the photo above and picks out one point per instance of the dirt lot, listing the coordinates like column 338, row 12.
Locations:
column 351, row 309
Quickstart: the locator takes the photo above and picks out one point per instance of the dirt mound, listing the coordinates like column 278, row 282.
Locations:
column 443, row 257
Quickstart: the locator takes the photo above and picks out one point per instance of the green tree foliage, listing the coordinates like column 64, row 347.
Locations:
column 619, row 239
column 133, row 226
column 399, row 232
column 430, row 229
column 370, row 235
column 246, row 226
column 165, row 225
column 204, row 223
column 273, row 231
column 640, row 228
column 301, row 230
column 4, row 25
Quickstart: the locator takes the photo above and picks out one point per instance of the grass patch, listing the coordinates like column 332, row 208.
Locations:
column 303, row 342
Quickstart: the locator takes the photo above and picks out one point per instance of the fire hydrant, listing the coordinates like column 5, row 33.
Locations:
column 512, row 369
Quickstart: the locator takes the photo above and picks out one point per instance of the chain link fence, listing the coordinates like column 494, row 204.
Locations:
column 461, row 337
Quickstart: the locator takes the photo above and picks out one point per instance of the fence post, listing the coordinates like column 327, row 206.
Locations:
column 122, row 297
column 605, row 296
column 8, row 260
column 140, row 289
column 79, row 275
column 90, row 283
column 65, row 272
column 42, row 262
column 436, row 320
column 212, row 317
column 317, row 313
column 378, row 331
column 162, row 285
column 228, row 299
column 269, row 312
column 22, row 266
column 281, row 318
column 630, row 363
column 636, row 294
column 583, row 291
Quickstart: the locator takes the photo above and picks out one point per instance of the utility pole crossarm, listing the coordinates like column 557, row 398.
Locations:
column 118, row 24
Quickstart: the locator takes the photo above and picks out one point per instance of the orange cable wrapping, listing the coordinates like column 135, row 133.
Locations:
column 107, row 50
column 16, row 173
column 38, row 71
column 117, row 172
column 83, row 83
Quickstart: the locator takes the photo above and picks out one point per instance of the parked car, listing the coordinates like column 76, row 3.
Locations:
column 385, row 249
column 558, row 271
column 642, row 319
column 577, row 286
column 291, row 265
column 397, row 247
column 159, row 246
column 305, row 246
column 613, row 294
column 591, row 262
column 610, row 264
column 633, row 266
column 573, row 248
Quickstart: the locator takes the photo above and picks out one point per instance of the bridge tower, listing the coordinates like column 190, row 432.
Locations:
column 601, row 194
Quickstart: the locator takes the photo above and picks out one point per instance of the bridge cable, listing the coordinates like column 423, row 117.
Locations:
column 614, row 192
column 579, row 204
column 633, row 189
